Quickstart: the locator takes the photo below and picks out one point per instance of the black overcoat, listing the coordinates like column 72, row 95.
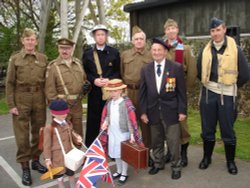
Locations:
column 110, row 63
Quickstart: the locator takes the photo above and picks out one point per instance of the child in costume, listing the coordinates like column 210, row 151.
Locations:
column 51, row 149
column 119, row 119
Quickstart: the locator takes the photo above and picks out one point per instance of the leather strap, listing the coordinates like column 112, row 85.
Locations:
column 63, row 83
column 97, row 63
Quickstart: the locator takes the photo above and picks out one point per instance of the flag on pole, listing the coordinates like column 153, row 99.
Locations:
column 95, row 167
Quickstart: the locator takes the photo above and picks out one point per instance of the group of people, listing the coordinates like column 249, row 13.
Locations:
column 139, row 88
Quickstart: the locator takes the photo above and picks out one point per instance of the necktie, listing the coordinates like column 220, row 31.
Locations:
column 158, row 71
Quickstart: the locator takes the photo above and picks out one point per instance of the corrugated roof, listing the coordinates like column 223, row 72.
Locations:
column 148, row 4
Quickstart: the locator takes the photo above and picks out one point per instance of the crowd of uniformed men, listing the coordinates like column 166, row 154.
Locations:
column 157, row 83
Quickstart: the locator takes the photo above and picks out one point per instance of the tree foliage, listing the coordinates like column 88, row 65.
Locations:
column 15, row 15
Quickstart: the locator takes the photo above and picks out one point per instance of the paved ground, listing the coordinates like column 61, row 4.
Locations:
column 216, row 176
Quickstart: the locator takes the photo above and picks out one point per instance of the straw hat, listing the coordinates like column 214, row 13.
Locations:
column 115, row 84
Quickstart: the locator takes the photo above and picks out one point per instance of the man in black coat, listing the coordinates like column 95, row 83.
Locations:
column 109, row 60
column 163, row 105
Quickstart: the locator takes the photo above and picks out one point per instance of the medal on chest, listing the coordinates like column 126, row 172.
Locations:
column 170, row 84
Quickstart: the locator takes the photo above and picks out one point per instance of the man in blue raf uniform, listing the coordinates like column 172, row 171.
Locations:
column 222, row 69
column 163, row 105
column 101, row 63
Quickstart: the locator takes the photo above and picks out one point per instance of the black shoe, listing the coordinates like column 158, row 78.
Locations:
column 205, row 163
column 36, row 165
column 116, row 175
column 26, row 177
column 154, row 170
column 176, row 174
column 168, row 157
column 122, row 179
column 232, row 168
column 150, row 162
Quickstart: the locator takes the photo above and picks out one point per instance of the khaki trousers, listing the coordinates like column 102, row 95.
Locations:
column 32, row 116
column 185, row 136
column 75, row 116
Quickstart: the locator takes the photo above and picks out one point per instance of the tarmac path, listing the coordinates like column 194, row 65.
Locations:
column 216, row 176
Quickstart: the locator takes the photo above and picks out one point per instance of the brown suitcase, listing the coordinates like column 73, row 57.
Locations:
column 134, row 155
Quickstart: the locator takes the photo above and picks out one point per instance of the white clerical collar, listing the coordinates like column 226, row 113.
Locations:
column 101, row 48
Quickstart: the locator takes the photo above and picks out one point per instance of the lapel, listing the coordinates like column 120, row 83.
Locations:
column 151, row 74
column 164, row 76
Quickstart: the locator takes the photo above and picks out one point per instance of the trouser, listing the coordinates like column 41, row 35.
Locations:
column 75, row 116
column 32, row 116
column 160, row 133
column 185, row 136
column 212, row 111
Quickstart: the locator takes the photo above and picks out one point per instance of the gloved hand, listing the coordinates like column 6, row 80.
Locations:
column 86, row 88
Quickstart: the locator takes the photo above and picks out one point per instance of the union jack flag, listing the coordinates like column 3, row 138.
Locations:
column 95, row 167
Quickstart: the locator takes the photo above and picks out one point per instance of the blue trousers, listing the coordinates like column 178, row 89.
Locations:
column 212, row 112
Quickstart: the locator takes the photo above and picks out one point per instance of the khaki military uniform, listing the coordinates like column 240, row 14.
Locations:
column 73, row 77
column 189, row 66
column 131, row 65
column 25, row 91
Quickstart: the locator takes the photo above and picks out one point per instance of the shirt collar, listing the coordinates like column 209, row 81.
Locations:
column 134, row 51
column 60, row 122
column 24, row 53
column 162, row 63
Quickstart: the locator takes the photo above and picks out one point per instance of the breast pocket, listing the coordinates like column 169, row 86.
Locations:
column 128, row 67
column 40, row 69
column 21, row 67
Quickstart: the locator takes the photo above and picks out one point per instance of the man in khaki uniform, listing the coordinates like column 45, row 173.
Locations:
column 180, row 53
column 26, row 101
column 132, row 61
column 65, row 79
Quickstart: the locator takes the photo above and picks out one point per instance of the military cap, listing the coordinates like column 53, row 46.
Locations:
column 65, row 42
column 170, row 22
column 27, row 32
column 99, row 27
column 59, row 107
column 135, row 30
column 158, row 40
column 215, row 22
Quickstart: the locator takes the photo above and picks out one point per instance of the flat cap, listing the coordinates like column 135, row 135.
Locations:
column 215, row 22
column 65, row 42
column 99, row 27
column 158, row 40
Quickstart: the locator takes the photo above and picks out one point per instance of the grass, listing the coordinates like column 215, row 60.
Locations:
column 242, row 129
column 3, row 107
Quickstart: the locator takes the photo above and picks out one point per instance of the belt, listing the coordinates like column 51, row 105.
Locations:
column 133, row 86
column 68, row 97
column 29, row 88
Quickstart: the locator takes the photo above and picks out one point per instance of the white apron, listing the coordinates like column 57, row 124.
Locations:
column 114, row 132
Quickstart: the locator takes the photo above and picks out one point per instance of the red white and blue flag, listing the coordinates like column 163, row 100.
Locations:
column 95, row 167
